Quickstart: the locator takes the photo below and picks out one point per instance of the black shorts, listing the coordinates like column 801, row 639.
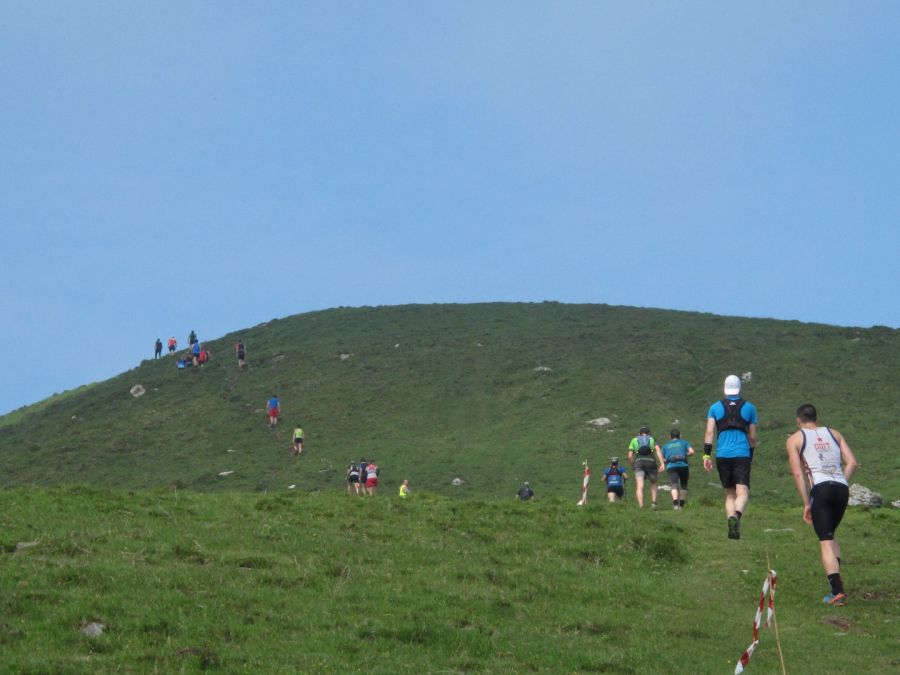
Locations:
column 616, row 490
column 733, row 471
column 352, row 479
column 644, row 467
column 681, row 473
column 827, row 502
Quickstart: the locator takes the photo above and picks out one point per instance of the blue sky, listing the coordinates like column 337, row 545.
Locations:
column 171, row 166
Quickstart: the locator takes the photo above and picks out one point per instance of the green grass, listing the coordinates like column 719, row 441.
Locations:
column 293, row 582
column 443, row 391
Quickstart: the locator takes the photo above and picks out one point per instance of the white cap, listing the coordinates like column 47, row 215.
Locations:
column 732, row 385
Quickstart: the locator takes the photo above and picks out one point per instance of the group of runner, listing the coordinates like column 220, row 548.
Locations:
column 647, row 458
column 196, row 354
column 362, row 477
column 821, row 463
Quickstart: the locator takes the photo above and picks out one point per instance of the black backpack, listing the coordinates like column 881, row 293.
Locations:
column 732, row 419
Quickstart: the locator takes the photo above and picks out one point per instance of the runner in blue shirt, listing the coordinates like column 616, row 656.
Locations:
column 732, row 422
column 615, row 478
column 273, row 408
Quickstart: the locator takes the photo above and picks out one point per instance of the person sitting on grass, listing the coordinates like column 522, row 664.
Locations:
column 525, row 492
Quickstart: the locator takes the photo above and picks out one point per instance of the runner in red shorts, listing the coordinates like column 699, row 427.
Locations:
column 372, row 472
column 274, row 409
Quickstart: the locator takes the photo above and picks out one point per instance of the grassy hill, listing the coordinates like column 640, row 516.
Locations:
column 444, row 391
column 256, row 577
column 290, row 582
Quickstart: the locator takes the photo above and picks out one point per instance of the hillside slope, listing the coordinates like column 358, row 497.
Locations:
column 443, row 391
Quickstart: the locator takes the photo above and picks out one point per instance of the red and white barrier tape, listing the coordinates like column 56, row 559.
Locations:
column 584, row 487
column 768, row 588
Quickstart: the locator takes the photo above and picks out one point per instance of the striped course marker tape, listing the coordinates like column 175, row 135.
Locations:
column 584, row 487
column 768, row 588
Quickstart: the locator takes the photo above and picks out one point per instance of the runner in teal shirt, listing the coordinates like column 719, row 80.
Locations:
column 673, row 457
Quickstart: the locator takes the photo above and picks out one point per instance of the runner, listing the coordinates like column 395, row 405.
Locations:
column 673, row 459
column 404, row 489
column 298, row 440
column 173, row 344
column 273, row 408
column 195, row 353
column 371, row 473
column 732, row 421
column 157, row 349
column 615, row 478
column 241, row 352
column 816, row 453
column 640, row 456
column 353, row 471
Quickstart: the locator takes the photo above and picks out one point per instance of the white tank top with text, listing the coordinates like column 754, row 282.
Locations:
column 821, row 454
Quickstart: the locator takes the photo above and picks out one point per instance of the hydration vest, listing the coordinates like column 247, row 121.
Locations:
column 732, row 419
column 644, row 449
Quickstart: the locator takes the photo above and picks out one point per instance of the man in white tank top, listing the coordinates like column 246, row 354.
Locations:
column 816, row 454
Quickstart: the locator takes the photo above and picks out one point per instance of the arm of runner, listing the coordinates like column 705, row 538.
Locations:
column 707, row 442
column 690, row 451
column 793, row 452
column 847, row 456
column 751, row 437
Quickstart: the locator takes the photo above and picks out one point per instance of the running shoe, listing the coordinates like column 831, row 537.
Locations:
column 838, row 600
column 734, row 528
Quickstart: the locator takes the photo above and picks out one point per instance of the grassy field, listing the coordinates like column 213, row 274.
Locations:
column 444, row 391
column 291, row 582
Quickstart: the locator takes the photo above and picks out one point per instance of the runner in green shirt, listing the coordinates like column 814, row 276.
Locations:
column 642, row 460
